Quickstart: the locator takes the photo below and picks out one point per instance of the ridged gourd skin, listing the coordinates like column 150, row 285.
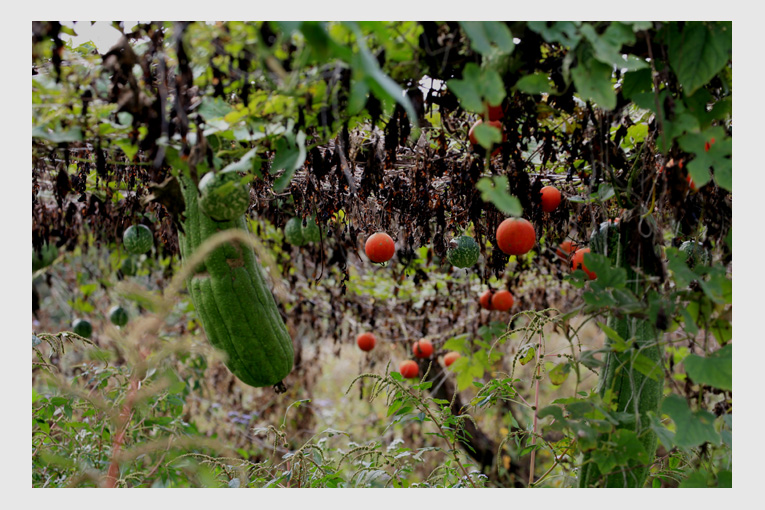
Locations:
column 222, row 196
column 628, row 385
column 236, row 308
column 465, row 253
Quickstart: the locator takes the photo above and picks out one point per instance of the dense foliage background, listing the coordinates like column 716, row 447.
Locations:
column 365, row 125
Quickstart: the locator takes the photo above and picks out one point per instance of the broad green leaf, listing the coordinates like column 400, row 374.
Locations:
column 494, row 190
column 715, row 370
column 691, row 428
column 487, row 135
column 487, row 37
column 623, row 447
column 593, row 81
column 711, row 149
column 617, row 343
column 699, row 51
column 564, row 32
column 608, row 276
column 559, row 373
column 60, row 136
column 537, row 83
column 289, row 157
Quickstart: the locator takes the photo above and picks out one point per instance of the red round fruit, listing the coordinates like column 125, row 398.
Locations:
column 565, row 249
column 577, row 262
column 366, row 341
column 422, row 348
column 451, row 357
column 380, row 247
column 516, row 236
column 550, row 198
column 495, row 112
column 486, row 300
column 502, row 300
column 409, row 369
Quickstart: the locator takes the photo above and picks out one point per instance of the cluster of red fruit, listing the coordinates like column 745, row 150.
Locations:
column 422, row 348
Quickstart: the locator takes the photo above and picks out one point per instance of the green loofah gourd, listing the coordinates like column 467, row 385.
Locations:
column 464, row 252
column 634, row 393
column 223, row 197
column 137, row 239
column 233, row 302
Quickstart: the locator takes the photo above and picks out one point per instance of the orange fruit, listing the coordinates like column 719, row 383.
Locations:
column 379, row 247
column 366, row 341
column 495, row 112
column 565, row 249
column 422, row 348
column 550, row 198
column 409, row 369
column 502, row 300
column 577, row 262
column 516, row 236
column 451, row 357
column 486, row 300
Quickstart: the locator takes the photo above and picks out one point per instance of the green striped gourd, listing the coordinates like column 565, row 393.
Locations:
column 234, row 304
column 633, row 392
column 464, row 252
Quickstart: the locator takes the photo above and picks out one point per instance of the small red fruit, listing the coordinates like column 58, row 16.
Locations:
column 516, row 236
column 502, row 300
column 565, row 249
column 451, row 357
column 422, row 348
column 366, row 341
column 495, row 112
column 379, row 247
column 409, row 369
column 577, row 262
column 550, row 198
column 486, row 300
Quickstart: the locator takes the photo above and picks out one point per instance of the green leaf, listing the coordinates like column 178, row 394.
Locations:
column 527, row 354
column 608, row 276
column 537, row 83
column 691, row 428
column 699, row 51
column 289, row 157
column 477, row 88
column 564, row 32
column 617, row 343
column 487, row 135
column 624, row 446
column 487, row 37
column 711, row 149
column 593, row 81
column 715, row 370
column 559, row 373
column 381, row 83
column 60, row 136
column 494, row 190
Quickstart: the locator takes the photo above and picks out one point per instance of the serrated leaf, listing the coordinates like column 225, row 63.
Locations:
column 715, row 370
